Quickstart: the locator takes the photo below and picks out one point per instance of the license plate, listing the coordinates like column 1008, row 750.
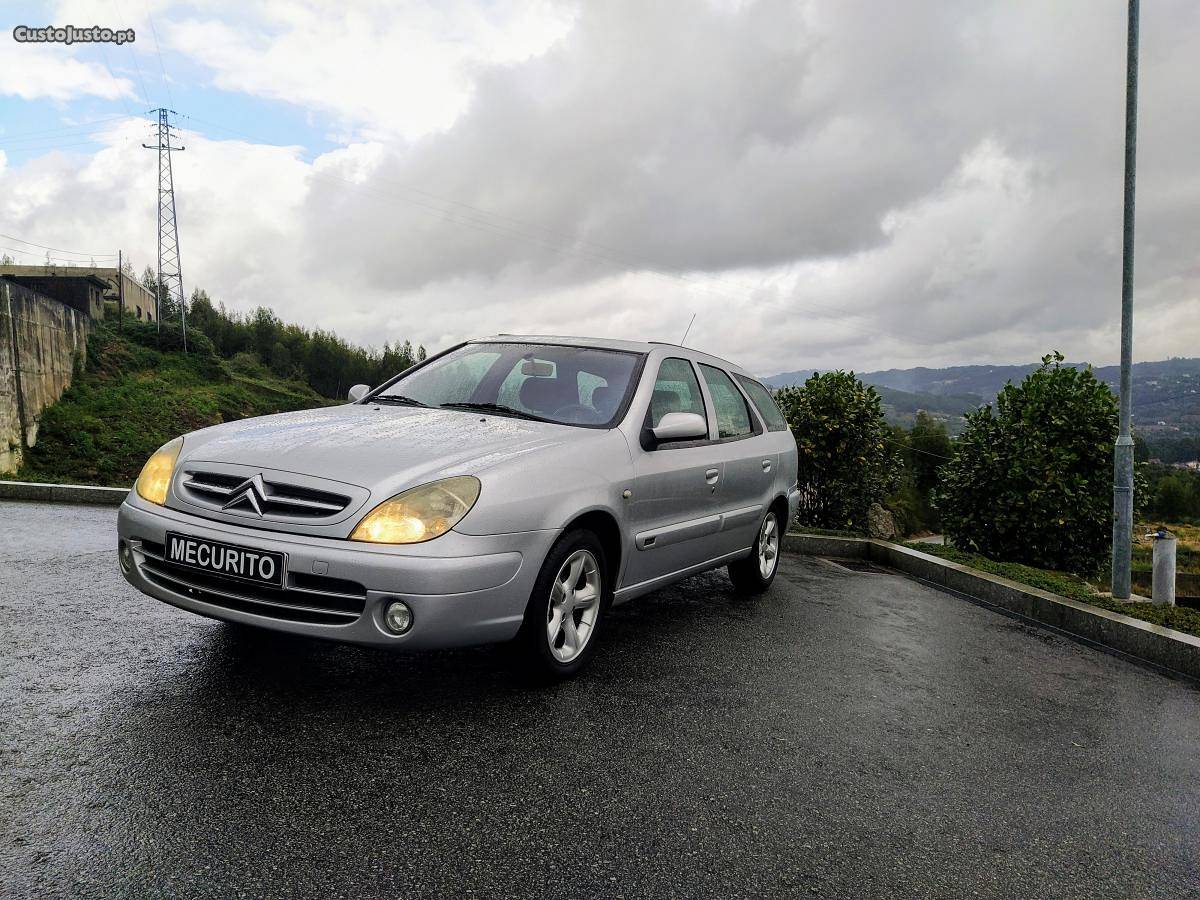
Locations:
column 230, row 560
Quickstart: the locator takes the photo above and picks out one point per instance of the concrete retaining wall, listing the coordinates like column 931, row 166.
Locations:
column 41, row 341
column 62, row 493
column 1160, row 646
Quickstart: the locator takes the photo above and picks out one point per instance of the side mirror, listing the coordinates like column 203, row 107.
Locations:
column 359, row 391
column 680, row 426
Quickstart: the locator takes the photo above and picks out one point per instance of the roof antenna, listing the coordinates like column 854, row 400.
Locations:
column 689, row 328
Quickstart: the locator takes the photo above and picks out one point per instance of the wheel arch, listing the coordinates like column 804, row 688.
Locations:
column 604, row 525
column 780, row 506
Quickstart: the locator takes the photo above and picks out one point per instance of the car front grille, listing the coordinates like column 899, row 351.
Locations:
column 272, row 498
column 315, row 599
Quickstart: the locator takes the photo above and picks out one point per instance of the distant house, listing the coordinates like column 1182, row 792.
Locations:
column 85, row 288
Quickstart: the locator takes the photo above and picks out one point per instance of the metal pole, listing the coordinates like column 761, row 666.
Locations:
column 1123, row 452
column 120, row 291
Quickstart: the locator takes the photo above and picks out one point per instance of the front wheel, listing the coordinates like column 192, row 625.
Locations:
column 754, row 574
column 567, row 606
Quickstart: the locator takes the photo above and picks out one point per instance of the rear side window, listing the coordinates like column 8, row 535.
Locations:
column 675, row 390
column 733, row 416
column 764, row 403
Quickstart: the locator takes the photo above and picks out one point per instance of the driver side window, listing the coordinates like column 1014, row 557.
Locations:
column 676, row 390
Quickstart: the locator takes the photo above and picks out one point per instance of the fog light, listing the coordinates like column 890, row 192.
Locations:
column 397, row 618
column 125, row 555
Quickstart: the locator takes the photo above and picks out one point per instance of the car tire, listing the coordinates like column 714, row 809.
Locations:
column 559, row 595
column 754, row 573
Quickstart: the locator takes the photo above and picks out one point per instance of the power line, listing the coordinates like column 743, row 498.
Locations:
column 918, row 449
column 133, row 53
column 55, row 249
column 158, row 50
column 108, row 68
column 34, row 145
column 70, row 262
column 72, row 127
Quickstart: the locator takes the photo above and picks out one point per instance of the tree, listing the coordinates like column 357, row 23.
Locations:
column 1141, row 450
column 265, row 327
column 327, row 362
column 931, row 448
column 1031, row 477
column 281, row 361
column 847, row 461
column 923, row 450
column 1177, row 497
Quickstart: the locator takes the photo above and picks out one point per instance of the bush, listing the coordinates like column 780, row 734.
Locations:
column 1030, row 481
column 847, row 461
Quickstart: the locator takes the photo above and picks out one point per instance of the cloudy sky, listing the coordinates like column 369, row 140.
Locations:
column 827, row 183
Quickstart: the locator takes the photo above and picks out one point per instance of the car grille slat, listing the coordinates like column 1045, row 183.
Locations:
column 280, row 499
column 308, row 598
column 302, row 504
column 215, row 489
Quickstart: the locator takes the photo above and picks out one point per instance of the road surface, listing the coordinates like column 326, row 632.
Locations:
column 850, row 734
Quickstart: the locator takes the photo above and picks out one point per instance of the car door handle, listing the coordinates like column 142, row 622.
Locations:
column 766, row 465
column 712, row 475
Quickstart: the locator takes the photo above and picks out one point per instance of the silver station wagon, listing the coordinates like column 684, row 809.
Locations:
column 514, row 487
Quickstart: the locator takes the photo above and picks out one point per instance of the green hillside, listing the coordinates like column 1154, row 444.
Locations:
column 1166, row 396
column 133, row 397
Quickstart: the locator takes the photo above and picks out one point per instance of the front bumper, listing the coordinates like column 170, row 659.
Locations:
column 462, row 589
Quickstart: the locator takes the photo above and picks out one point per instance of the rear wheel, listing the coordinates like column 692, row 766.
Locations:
column 754, row 573
column 567, row 606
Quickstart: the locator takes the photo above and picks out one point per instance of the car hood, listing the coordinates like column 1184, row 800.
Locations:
column 384, row 449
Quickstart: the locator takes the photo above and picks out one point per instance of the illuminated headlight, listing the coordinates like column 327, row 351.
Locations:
column 420, row 513
column 155, row 478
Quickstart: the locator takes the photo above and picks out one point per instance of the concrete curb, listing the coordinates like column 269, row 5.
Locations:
column 62, row 493
column 1159, row 646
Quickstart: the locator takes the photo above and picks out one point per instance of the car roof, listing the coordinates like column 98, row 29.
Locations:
column 611, row 344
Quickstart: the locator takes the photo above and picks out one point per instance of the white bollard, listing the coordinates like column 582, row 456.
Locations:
column 1164, row 569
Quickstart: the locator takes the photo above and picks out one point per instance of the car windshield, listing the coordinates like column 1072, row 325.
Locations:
column 548, row 382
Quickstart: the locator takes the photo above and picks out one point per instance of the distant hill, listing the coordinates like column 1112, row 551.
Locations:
column 1166, row 394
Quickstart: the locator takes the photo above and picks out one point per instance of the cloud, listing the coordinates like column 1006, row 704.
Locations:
column 822, row 184
column 51, row 72
column 375, row 68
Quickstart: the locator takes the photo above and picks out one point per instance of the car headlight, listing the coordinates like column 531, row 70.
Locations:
column 420, row 513
column 155, row 477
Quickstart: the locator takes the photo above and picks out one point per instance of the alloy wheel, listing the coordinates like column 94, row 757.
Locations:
column 768, row 546
column 574, row 606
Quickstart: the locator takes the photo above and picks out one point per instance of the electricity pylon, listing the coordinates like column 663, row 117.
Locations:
column 170, row 273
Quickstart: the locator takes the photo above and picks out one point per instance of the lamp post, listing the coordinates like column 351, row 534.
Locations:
column 1123, row 452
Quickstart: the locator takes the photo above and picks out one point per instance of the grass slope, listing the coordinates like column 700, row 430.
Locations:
column 131, row 398
column 1181, row 618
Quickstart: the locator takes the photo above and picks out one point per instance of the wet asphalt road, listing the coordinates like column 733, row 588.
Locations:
column 847, row 735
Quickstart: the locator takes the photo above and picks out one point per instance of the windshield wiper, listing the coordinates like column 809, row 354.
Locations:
column 496, row 408
column 397, row 398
